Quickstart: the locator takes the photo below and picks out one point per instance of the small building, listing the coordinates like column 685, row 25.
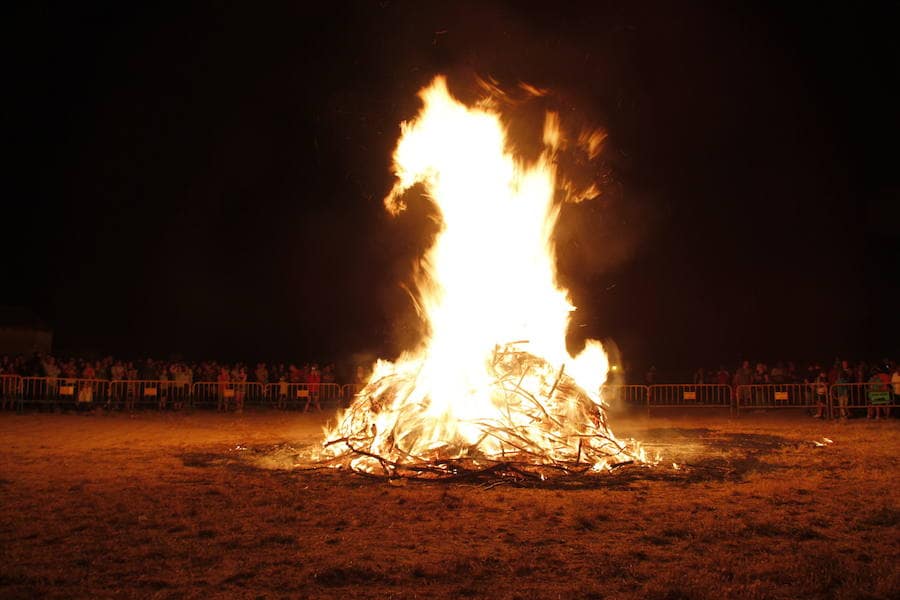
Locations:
column 23, row 332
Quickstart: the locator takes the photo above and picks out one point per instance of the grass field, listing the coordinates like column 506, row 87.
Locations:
column 181, row 506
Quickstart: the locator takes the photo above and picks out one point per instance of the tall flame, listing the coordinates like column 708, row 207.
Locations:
column 486, row 285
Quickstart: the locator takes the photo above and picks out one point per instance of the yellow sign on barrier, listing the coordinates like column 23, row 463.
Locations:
column 781, row 396
column 149, row 391
column 67, row 390
column 303, row 393
column 690, row 396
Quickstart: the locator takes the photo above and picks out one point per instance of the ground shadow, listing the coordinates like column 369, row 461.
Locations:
column 678, row 455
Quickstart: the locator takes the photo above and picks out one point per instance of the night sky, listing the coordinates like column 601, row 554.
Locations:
column 207, row 182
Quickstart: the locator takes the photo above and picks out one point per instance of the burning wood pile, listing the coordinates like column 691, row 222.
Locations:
column 467, row 400
column 541, row 424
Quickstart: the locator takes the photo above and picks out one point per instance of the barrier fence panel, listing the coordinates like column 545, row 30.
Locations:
column 64, row 393
column 349, row 391
column 875, row 398
column 134, row 394
column 303, row 396
column 691, row 395
column 330, row 395
column 621, row 395
column 44, row 391
column 254, row 393
column 228, row 395
column 783, row 395
column 208, row 394
column 10, row 392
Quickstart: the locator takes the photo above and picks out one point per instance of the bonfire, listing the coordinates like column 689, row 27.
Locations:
column 492, row 388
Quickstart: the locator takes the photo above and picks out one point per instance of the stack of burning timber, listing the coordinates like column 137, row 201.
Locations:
column 543, row 424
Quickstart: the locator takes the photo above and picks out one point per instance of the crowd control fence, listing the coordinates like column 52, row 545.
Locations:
column 68, row 393
column 349, row 392
column 690, row 395
column 625, row 396
column 303, row 396
column 850, row 399
column 64, row 393
column 783, row 395
column 227, row 395
column 10, row 392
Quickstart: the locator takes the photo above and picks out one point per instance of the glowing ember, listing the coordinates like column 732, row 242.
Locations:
column 492, row 387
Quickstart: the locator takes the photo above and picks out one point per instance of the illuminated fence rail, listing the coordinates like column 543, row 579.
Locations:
column 10, row 392
column 697, row 395
column 303, row 396
column 133, row 394
column 63, row 393
column 330, row 395
column 848, row 399
column 782, row 395
column 621, row 395
column 227, row 395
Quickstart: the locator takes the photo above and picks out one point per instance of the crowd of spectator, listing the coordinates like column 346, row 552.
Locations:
column 884, row 376
column 169, row 377
column 111, row 369
column 178, row 373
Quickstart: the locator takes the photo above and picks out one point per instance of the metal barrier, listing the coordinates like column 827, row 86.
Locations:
column 60, row 393
column 330, row 394
column 10, row 392
column 621, row 395
column 349, row 392
column 228, row 395
column 65, row 393
column 690, row 395
column 133, row 394
column 291, row 396
column 783, row 395
column 871, row 396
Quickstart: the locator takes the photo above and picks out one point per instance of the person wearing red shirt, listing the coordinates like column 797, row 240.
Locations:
column 313, row 380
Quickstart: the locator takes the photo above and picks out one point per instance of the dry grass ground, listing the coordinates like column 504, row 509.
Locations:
column 168, row 506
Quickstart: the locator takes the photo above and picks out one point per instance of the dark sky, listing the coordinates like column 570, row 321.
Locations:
column 207, row 181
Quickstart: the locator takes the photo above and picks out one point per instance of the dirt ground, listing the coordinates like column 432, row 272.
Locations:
column 178, row 506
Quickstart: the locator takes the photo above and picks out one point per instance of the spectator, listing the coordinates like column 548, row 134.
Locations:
column 700, row 376
column 131, row 387
column 313, row 379
column 842, row 391
column 163, row 391
column 862, row 372
column 239, row 376
column 760, row 374
column 895, row 380
column 777, row 374
column 743, row 376
column 879, row 394
column 361, row 377
column 723, row 377
column 821, row 390
column 261, row 374
column 224, row 389
column 328, row 374
column 282, row 393
column 791, row 375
